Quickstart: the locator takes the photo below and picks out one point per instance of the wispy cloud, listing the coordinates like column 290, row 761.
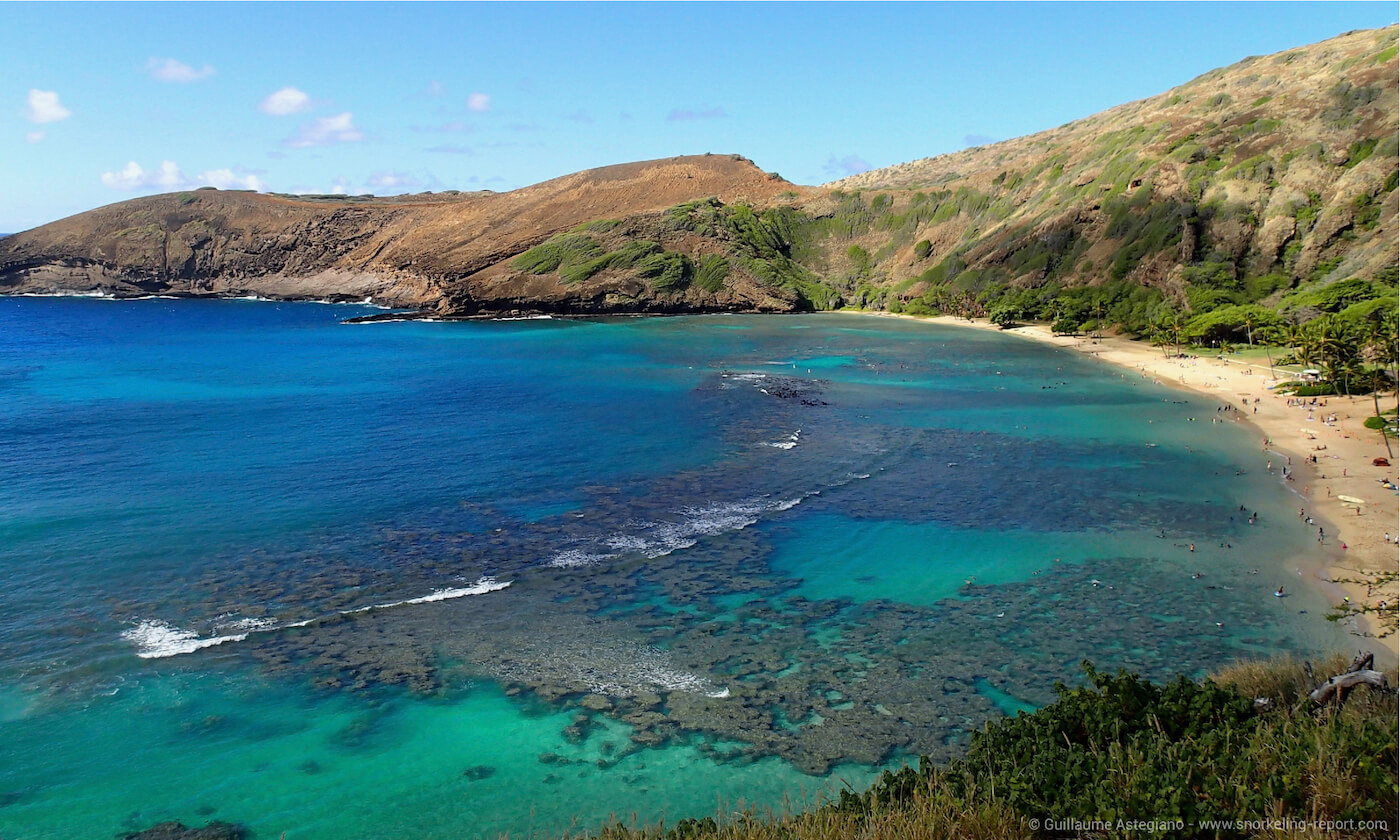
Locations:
column 170, row 70
column 286, row 101
column 848, row 165
column 168, row 176
column 33, row 136
column 682, row 114
column 44, row 107
column 454, row 127
column 978, row 140
column 580, row 117
column 478, row 102
column 325, row 131
column 451, row 150
column 389, row 179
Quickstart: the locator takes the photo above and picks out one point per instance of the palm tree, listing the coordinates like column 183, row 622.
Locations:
column 1338, row 351
column 1269, row 335
column 1157, row 334
column 1175, row 326
column 1291, row 336
column 1380, row 335
column 1309, row 344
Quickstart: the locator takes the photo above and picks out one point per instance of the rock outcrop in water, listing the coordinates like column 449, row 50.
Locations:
column 179, row 831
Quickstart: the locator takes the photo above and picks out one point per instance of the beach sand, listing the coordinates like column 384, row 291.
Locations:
column 1355, row 534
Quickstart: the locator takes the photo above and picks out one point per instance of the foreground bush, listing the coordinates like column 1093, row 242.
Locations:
column 1121, row 753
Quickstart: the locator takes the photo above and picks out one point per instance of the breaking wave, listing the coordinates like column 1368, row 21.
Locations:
column 155, row 639
column 657, row 539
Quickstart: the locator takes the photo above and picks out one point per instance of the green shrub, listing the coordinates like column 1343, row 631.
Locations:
column 570, row 248
column 922, row 249
column 1237, row 324
column 668, row 271
column 1122, row 748
column 1319, row 389
column 1333, row 297
column 1359, row 151
column 711, row 272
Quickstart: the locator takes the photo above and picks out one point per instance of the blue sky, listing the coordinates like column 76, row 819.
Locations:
column 107, row 101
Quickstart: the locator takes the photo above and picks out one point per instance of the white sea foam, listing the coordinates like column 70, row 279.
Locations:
column 658, row 539
column 63, row 293
column 157, row 640
column 731, row 380
column 627, row 542
column 786, row 444
column 481, row 587
column 154, row 639
column 573, row 558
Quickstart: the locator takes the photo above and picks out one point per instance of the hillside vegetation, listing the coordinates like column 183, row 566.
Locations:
column 1261, row 183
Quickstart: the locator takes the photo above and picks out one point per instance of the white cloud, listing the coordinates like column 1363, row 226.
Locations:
column 228, row 179
column 34, row 137
column 44, row 107
column 133, row 176
column 169, row 177
column 170, row 70
column 339, row 186
column 325, row 131
column 286, row 101
column 478, row 102
column 389, row 179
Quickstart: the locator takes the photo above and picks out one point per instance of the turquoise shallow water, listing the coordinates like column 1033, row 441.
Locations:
column 454, row 580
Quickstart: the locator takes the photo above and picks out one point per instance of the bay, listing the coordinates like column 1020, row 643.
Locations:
column 458, row 579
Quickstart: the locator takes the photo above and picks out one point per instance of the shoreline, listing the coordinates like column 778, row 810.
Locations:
column 1344, row 450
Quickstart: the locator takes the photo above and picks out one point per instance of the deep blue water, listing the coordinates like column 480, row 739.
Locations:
column 501, row 576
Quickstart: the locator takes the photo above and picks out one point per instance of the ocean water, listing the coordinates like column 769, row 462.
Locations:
column 465, row 579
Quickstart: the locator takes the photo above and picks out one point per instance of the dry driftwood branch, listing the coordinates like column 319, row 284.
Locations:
column 1358, row 673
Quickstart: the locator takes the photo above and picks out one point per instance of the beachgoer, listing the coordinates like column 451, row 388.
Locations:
column 1278, row 593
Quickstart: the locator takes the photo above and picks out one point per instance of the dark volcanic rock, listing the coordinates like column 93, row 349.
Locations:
column 178, row 831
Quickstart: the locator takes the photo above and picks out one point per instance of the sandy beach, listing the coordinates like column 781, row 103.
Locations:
column 1361, row 539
